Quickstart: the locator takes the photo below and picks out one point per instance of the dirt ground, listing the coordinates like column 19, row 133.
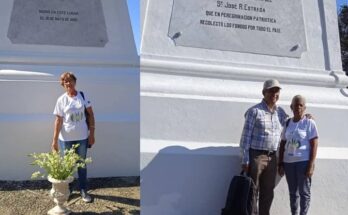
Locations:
column 119, row 196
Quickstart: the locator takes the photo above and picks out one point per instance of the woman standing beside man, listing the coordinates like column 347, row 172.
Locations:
column 70, row 127
column 298, row 149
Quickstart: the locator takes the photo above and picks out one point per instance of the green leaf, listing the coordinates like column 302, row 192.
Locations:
column 56, row 166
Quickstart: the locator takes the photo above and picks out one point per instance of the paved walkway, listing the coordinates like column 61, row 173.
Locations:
column 120, row 196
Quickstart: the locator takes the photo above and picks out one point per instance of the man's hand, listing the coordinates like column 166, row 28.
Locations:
column 245, row 168
column 281, row 170
column 309, row 116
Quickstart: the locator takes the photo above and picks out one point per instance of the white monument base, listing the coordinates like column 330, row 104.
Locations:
column 191, row 128
column 92, row 39
column 203, row 65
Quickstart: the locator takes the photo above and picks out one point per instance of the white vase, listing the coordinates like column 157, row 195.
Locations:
column 60, row 193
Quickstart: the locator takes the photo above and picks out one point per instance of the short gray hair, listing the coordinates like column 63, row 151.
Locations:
column 298, row 97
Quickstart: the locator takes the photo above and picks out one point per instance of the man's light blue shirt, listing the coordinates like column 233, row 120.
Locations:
column 262, row 129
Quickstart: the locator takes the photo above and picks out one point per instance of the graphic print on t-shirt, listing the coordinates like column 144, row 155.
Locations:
column 74, row 110
column 297, row 136
column 76, row 117
column 292, row 146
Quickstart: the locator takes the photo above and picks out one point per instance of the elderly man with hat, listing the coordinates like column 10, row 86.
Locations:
column 259, row 143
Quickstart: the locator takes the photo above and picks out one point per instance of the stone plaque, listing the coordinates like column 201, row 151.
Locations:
column 269, row 27
column 58, row 22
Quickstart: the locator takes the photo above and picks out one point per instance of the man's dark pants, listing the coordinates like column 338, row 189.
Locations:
column 263, row 170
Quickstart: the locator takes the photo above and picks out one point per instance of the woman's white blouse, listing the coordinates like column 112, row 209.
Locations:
column 72, row 110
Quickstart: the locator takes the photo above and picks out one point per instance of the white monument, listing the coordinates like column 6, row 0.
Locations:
column 41, row 39
column 203, row 63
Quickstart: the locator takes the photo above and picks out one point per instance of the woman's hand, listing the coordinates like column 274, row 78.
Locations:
column 312, row 155
column 310, row 170
column 54, row 146
column 91, row 140
column 57, row 126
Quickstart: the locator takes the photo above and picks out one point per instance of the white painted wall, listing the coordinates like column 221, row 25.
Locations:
column 192, row 106
column 29, row 87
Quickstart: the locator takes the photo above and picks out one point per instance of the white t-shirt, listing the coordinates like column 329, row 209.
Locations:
column 297, row 136
column 72, row 109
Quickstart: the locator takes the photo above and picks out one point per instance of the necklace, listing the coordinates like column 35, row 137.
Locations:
column 293, row 143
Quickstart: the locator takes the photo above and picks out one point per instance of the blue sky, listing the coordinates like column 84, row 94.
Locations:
column 134, row 12
column 341, row 2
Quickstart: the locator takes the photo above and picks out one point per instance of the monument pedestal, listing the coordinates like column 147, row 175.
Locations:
column 194, row 96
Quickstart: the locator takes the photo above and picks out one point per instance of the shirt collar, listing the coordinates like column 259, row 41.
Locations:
column 264, row 105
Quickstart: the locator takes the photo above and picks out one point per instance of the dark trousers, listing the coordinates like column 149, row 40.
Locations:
column 82, row 151
column 263, row 170
column 299, row 186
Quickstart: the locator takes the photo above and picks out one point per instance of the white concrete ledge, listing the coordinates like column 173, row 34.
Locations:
column 232, row 149
column 304, row 77
column 199, row 88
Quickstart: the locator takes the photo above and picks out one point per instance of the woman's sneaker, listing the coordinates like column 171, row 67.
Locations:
column 85, row 197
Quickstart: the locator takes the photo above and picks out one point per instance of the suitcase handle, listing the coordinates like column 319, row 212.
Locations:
column 244, row 173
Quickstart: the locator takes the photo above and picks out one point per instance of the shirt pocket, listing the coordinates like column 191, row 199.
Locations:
column 260, row 122
column 302, row 134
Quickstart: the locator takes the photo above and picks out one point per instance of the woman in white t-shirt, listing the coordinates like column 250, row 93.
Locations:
column 297, row 153
column 71, row 127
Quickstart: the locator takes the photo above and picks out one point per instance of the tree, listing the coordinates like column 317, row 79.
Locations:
column 343, row 31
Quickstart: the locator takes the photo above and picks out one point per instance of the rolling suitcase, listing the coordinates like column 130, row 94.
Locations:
column 241, row 196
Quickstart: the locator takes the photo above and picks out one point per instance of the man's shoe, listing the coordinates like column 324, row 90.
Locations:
column 85, row 197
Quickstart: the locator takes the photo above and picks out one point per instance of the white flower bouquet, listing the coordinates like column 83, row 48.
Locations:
column 57, row 166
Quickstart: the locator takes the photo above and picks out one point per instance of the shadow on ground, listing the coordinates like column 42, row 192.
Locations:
column 94, row 183
column 116, row 212
column 123, row 200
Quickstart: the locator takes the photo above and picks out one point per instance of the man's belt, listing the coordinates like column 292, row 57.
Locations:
column 265, row 152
